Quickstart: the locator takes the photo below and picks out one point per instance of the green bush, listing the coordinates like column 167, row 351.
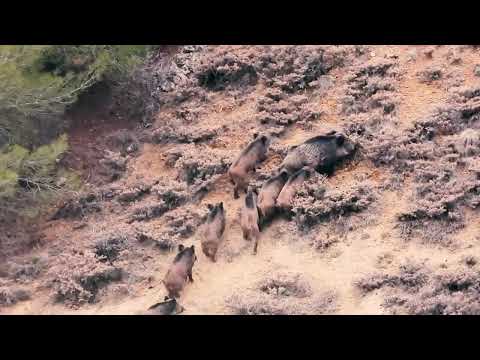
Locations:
column 31, row 175
column 38, row 169
column 8, row 182
column 40, row 82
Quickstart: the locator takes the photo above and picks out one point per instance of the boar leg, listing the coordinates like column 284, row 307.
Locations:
column 326, row 169
column 190, row 275
column 255, row 246
column 235, row 193
column 173, row 294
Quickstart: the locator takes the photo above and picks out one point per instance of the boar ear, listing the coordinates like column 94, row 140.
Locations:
column 340, row 139
column 165, row 298
column 220, row 205
column 181, row 247
column 209, row 206
column 332, row 132
column 255, row 135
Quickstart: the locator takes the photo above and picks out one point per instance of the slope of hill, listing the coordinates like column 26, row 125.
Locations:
column 393, row 230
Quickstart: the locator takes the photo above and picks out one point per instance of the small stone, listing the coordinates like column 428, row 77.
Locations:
column 61, row 182
column 412, row 55
column 79, row 226
column 456, row 60
column 132, row 148
column 476, row 71
column 428, row 53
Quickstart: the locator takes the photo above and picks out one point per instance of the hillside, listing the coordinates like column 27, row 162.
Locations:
column 393, row 230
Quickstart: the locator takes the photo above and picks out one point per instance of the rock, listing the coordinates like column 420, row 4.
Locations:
column 412, row 55
column 428, row 53
column 79, row 226
column 61, row 182
column 476, row 71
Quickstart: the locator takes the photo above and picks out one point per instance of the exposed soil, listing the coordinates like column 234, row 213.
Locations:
column 393, row 230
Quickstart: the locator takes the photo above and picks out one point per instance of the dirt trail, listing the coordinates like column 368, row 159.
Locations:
column 375, row 245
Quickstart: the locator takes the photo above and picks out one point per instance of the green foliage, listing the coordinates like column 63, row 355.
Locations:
column 38, row 168
column 31, row 172
column 11, row 161
column 12, row 157
column 72, row 181
column 39, row 82
column 8, row 182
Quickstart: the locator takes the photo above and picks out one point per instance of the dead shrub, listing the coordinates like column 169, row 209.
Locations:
column 283, row 294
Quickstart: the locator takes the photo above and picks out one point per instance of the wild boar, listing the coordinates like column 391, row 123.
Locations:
column 212, row 231
column 180, row 271
column 288, row 192
column 320, row 153
column 247, row 161
column 269, row 193
column 167, row 307
column 249, row 218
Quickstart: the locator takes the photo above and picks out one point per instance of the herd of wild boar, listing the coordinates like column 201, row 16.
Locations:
column 319, row 153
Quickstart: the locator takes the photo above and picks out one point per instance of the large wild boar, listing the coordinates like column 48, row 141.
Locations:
column 166, row 307
column 249, row 218
column 320, row 152
column 180, row 271
column 212, row 231
column 249, row 158
column 288, row 192
column 269, row 193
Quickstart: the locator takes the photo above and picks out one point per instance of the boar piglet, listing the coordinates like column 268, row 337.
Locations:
column 284, row 200
column 247, row 161
column 180, row 271
column 249, row 218
column 212, row 231
column 268, row 195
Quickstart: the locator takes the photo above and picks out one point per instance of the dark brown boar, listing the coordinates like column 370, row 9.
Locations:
column 249, row 158
column 320, row 153
column 166, row 307
column 180, row 271
column 268, row 195
column 212, row 231
column 249, row 218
